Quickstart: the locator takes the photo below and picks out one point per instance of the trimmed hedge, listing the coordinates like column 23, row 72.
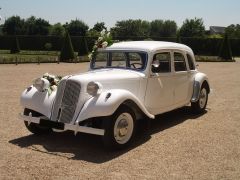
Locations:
column 200, row 46
column 15, row 46
column 225, row 50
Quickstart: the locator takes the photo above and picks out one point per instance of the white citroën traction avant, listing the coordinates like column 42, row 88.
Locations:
column 127, row 82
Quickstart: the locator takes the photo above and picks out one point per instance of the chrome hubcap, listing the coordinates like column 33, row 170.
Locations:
column 123, row 128
column 203, row 98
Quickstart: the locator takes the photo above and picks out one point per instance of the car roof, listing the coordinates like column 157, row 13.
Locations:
column 148, row 46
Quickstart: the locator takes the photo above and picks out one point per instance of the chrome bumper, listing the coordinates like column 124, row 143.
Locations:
column 71, row 127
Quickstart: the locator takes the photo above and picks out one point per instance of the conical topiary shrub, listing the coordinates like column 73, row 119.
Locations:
column 15, row 48
column 225, row 49
column 83, row 50
column 67, row 53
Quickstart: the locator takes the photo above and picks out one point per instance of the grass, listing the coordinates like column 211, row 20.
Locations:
column 211, row 59
column 33, row 57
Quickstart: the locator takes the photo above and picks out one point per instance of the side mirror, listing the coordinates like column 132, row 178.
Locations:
column 155, row 66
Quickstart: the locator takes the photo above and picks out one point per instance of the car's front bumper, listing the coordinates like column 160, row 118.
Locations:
column 62, row 126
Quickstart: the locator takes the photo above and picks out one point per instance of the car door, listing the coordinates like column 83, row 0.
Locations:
column 160, row 86
column 181, row 79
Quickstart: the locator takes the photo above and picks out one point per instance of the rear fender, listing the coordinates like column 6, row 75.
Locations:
column 200, row 80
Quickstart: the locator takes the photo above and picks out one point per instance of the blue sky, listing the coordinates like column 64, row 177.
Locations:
column 213, row 12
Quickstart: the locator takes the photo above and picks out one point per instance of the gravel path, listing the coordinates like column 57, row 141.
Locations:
column 179, row 146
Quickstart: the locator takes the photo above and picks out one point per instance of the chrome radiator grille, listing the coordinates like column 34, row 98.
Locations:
column 66, row 101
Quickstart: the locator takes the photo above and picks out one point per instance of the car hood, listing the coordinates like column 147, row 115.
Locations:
column 112, row 79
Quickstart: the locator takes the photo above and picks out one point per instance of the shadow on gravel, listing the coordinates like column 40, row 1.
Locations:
column 90, row 148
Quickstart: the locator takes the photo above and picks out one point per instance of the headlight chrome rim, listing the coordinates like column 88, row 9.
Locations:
column 41, row 84
column 94, row 88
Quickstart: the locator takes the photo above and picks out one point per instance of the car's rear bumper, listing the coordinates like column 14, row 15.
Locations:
column 62, row 126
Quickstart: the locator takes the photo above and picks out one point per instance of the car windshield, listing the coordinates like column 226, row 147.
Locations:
column 120, row 59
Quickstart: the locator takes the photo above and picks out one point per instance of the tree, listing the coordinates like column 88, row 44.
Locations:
column 233, row 31
column 99, row 26
column 170, row 29
column 13, row 26
column 36, row 26
column 15, row 48
column 93, row 33
column 67, row 53
column 160, row 28
column 131, row 28
column 57, row 30
column 192, row 28
column 225, row 50
column 77, row 28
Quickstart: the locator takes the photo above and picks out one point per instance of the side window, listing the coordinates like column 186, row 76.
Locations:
column 179, row 62
column 190, row 62
column 163, row 61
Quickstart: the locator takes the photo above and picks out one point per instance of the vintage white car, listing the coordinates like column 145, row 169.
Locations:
column 126, row 82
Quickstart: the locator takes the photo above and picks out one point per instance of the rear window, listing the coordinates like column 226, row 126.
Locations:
column 179, row 62
column 190, row 62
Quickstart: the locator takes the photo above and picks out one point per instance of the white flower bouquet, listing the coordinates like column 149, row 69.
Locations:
column 103, row 41
column 47, row 82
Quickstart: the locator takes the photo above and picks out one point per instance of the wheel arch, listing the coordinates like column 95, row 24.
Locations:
column 206, row 84
column 137, row 111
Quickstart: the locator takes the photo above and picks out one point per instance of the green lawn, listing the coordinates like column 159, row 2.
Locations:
column 33, row 57
column 211, row 59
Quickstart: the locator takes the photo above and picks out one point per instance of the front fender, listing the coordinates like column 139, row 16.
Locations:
column 100, row 105
column 200, row 78
column 40, row 102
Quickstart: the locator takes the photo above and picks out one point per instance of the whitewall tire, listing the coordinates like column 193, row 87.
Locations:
column 119, row 128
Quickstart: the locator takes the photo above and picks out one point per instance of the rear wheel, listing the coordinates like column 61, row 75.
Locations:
column 119, row 128
column 36, row 128
column 200, row 105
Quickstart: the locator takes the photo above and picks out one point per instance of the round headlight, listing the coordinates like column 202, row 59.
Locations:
column 41, row 84
column 94, row 88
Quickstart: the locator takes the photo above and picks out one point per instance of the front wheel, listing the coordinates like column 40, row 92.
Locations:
column 119, row 128
column 36, row 128
column 200, row 105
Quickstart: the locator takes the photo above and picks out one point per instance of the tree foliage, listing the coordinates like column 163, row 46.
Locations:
column 131, row 28
column 233, row 31
column 13, row 26
column 192, row 28
column 67, row 53
column 36, row 26
column 160, row 28
column 93, row 33
column 77, row 28
column 99, row 26
column 57, row 30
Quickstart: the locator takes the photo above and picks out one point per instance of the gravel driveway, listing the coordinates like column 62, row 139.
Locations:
column 179, row 145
